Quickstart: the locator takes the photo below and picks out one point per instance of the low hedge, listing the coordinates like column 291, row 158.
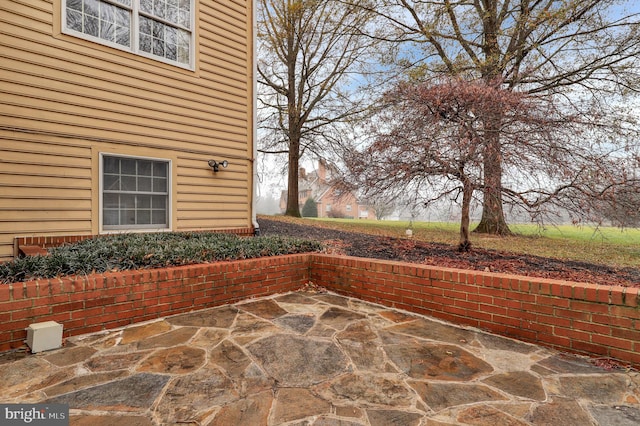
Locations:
column 148, row 250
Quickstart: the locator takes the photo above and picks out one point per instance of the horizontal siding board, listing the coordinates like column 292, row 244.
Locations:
column 218, row 223
column 110, row 68
column 38, row 142
column 26, row 169
column 51, row 228
column 60, row 123
column 19, row 72
column 94, row 109
column 68, row 214
column 21, row 82
column 15, row 190
column 28, row 203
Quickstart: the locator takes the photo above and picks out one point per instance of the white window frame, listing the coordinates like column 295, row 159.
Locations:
column 135, row 228
column 134, row 33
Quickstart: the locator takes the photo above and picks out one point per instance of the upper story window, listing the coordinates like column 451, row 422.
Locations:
column 159, row 29
column 135, row 193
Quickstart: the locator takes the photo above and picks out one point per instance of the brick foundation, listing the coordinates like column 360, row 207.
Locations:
column 588, row 319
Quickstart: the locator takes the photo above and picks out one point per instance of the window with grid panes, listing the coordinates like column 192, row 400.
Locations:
column 160, row 29
column 135, row 193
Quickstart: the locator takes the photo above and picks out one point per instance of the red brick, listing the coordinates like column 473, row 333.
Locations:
column 631, row 296
column 625, row 311
column 588, row 348
column 493, row 309
column 557, row 321
column 568, row 313
column 572, row 334
column 555, row 341
column 552, row 301
column 589, row 307
column 622, row 322
column 612, row 342
column 592, row 327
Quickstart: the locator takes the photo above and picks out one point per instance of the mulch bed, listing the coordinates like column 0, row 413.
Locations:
column 407, row 250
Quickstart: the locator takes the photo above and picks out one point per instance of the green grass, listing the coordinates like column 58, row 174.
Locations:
column 602, row 245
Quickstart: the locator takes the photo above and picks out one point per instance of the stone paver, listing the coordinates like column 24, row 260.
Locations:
column 316, row 359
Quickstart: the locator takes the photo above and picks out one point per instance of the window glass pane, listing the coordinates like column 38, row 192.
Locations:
column 111, row 182
column 158, row 47
column 74, row 20
column 159, row 202
column 159, row 8
column 111, row 217
column 158, row 30
column 74, row 5
column 144, row 217
column 146, row 6
column 146, row 25
column 122, row 36
column 144, row 184
column 171, row 52
column 143, row 202
column 127, row 201
column 184, row 10
column 145, row 43
column 160, row 169
column 128, row 183
column 144, row 168
column 159, row 185
column 107, row 12
column 128, row 166
column 91, row 25
column 127, row 217
column 172, row 14
column 107, row 31
column 158, row 217
column 92, row 7
column 111, row 201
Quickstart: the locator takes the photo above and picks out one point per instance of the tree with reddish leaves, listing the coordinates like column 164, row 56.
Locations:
column 433, row 140
column 584, row 53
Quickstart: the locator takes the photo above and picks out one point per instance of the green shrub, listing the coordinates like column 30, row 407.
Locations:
column 155, row 250
column 310, row 208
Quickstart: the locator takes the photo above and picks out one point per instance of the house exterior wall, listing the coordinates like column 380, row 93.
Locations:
column 65, row 100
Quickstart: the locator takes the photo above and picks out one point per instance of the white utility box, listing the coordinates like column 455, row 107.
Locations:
column 44, row 336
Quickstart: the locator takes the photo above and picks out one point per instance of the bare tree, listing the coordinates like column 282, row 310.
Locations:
column 431, row 145
column 574, row 50
column 312, row 56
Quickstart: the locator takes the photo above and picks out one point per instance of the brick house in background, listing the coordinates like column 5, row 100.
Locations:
column 111, row 112
column 331, row 200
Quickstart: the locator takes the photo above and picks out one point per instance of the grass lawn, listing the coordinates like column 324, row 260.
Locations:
column 603, row 245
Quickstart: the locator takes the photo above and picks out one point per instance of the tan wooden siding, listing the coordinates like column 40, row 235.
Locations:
column 65, row 100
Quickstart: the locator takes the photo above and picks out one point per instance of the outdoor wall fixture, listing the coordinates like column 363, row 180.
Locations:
column 215, row 165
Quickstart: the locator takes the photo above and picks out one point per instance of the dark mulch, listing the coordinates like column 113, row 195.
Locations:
column 387, row 248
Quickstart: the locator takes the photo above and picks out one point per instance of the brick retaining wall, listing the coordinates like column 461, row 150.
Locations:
column 588, row 319
column 85, row 304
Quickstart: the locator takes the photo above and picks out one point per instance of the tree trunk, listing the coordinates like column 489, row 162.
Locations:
column 293, row 203
column 467, row 193
column 492, row 221
column 293, row 117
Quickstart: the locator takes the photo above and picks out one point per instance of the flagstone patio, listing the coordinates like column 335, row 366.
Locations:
column 313, row 358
